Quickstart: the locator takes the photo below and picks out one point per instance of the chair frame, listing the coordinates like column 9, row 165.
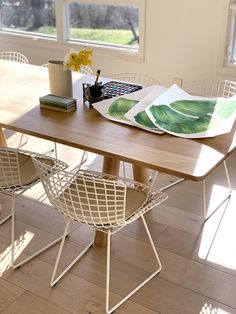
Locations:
column 13, row 56
column 212, row 88
column 18, row 57
column 109, row 227
column 135, row 78
column 17, row 190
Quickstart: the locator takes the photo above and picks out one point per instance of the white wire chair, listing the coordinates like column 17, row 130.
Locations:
column 17, row 57
column 103, row 202
column 13, row 56
column 86, row 70
column 136, row 78
column 212, row 88
column 209, row 88
column 18, row 174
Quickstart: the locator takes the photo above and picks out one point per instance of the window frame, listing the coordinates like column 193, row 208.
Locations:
column 224, row 66
column 61, row 41
column 231, row 36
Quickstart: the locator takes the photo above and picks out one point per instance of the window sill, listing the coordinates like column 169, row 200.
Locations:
column 49, row 42
column 227, row 70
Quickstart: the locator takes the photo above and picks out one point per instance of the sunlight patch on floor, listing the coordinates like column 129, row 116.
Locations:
column 217, row 243
column 19, row 245
column 209, row 309
column 218, row 194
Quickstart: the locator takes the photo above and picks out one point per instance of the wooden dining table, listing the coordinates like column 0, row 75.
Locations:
column 21, row 85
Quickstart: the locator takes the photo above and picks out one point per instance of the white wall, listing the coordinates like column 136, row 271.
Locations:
column 182, row 40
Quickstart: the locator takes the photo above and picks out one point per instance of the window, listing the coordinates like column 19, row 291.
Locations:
column 113, row 24
column 28, row 16
column 104, row 24
column 231, row 45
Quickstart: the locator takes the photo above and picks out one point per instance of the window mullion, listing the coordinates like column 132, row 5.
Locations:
column 232, row 50
column 61, row 21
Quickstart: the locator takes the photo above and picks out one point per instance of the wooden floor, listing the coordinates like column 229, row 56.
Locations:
column 199, row 259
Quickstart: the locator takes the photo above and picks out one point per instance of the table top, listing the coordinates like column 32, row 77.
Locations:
column 21, row 85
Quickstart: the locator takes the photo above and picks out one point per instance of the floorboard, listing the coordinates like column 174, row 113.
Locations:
column 198, row 258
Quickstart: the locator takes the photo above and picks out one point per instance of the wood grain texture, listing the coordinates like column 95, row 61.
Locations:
column 22, row 85
column 3, row 141
column 199, row 270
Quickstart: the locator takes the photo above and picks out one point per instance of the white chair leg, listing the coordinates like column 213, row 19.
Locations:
column 205, row 211
column 55, row 280
column 83, row 159
column 153, row 179
column 171, row 184
column 5, row 219
column 108, row 271
column 157, row 271
column 55, row 150
column 52, row 283
column 13, row 264
column 204, row 199
column 13, row 232
column 21, row 143
column 153, row 246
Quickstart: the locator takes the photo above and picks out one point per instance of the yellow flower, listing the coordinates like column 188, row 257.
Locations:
column 77, row 59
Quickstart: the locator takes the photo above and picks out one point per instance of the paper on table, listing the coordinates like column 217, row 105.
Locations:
column 184, row 115
column 105, row 107
column 138, row 115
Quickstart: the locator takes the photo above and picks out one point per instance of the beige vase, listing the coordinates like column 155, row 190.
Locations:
column 60, row 81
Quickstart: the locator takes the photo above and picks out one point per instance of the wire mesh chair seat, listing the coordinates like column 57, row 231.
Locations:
column 13, row 56
column 17, row 175
column 103, row 202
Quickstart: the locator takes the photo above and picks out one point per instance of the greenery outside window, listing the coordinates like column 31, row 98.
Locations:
column 28, row 16
column 114, row 24
column 104, row 24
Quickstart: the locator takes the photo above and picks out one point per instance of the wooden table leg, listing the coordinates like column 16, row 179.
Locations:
column 110, row 166
column 140, row 174
column 3, row 141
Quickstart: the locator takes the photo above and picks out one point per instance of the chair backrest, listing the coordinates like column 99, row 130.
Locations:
column 86, row 70
column 13, row 56
column 137, row 78
column 84, row 197
column 9, row 169
column 211, row 88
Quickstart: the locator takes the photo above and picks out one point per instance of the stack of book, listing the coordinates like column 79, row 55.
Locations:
column 59, row 103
